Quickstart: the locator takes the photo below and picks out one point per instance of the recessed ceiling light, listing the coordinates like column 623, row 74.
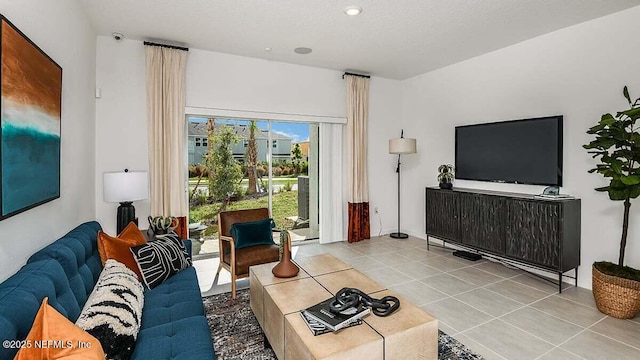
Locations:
column 302, row 50
column 267, row 49
column 353, row 10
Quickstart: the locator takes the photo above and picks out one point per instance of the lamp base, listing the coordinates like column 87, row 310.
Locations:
column 399, row 235
column 126, row 214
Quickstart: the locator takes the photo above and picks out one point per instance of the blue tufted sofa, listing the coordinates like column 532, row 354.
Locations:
column 173, row 321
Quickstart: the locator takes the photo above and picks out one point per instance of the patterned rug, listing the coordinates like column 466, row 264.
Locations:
column 236, row 334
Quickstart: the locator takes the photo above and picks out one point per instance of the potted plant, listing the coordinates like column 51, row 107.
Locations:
column 616, row 287
column 445, row 176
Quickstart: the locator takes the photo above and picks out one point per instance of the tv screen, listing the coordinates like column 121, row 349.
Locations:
column 519, row 151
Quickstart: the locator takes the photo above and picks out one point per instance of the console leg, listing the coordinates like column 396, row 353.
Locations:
column 560, row 282
column 576, row 270
column 427, row 242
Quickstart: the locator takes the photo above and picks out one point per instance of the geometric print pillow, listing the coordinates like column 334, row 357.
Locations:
column 161, row 258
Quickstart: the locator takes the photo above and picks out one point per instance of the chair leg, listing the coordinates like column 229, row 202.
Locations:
column 233, row 286
column 219, row 268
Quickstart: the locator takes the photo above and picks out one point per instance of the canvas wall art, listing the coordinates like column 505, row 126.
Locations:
column 31, row 109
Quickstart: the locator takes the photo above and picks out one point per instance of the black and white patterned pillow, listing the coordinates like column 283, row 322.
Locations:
column 161, row 258
column 113, row 311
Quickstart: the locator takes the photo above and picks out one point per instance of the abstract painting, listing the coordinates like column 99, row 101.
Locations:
column 31, row 109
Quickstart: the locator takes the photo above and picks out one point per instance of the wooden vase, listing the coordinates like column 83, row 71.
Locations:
column 285, row 268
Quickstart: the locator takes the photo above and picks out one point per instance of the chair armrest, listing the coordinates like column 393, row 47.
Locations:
column 227, row 238
column 230, row 240
column 188, row 245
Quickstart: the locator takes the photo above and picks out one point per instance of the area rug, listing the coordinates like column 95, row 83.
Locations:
column 236, row 334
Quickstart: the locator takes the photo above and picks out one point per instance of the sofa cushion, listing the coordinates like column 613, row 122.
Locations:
column 51, row 325
column 184, row 339
column 21, row 296
column 177, row 298
column 160, row 259
column 118, row 248
column 252, row 233
column 114, row 310
column 254, row 255
column 77, row 252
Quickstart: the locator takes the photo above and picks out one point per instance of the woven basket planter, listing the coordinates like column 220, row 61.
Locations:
column 615, row 296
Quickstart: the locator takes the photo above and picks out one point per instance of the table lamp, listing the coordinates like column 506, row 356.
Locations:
column 125, row 187
column 401, row 146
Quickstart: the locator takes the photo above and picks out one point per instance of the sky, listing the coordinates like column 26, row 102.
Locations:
column 296, row 131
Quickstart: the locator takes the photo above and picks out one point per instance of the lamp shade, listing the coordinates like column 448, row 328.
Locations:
column 402, row 146
column 125, row 186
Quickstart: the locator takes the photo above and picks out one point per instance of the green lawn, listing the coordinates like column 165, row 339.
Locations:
column 285, row 204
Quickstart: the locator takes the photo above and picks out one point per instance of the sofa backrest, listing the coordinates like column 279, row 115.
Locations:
column 64, row 271
column 77, row 252
column 21, row 296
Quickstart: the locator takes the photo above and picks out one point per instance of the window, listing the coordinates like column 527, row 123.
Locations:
column 279, row 192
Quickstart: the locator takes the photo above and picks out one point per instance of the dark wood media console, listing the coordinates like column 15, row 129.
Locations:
column 540, row 233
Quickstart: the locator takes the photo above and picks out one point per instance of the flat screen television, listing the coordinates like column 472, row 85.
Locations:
column 525, row 151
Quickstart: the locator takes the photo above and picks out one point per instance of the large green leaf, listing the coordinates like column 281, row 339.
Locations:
column 618, row 194
column 607, row 119
column 596, row 128
column 616, row 166
column 625, row 92
column 630, row 180
column 632, row 113
column 617, row 184
column 634, row 192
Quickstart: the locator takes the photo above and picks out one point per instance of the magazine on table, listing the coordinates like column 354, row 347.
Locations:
column 318, row 328
column 321, row 312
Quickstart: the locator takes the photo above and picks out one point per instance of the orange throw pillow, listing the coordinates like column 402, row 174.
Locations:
column 53, row 336
column 117, row 248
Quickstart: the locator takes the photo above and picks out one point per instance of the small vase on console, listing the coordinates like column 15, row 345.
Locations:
column 285, row 268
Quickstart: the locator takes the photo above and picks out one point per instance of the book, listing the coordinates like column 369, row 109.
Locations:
column 318, row 328
column 322, row 313
column 554, row 196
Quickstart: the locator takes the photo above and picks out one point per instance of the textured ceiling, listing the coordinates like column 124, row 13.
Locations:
column 395, row 39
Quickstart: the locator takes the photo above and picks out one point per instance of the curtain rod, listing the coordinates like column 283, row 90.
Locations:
column 353, row 74
column 149, row 43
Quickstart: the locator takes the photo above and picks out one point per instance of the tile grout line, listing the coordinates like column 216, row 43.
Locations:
column 561, row 349
column 583, row 329
column 448, row 297
column 607, row 336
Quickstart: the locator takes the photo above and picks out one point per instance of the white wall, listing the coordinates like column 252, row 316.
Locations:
column 385, row 115
column 222, row 81
column 61, row 30
column 121, row 121
column 578, row 72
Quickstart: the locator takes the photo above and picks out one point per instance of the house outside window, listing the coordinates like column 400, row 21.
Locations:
column 198, row 138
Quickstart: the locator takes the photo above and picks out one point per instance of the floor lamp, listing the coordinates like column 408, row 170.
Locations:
column 401, row 146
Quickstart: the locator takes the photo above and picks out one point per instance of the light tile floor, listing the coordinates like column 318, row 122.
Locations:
column 498, row 312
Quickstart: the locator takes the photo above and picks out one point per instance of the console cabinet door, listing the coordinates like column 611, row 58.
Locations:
column 442, row 214
column 533, row 232
column 482, row 219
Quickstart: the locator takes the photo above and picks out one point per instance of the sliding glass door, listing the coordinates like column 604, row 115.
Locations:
column 244, row 163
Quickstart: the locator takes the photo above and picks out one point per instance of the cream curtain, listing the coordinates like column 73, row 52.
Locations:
column 330, row 183
column 166, row 71
column 357, row 109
